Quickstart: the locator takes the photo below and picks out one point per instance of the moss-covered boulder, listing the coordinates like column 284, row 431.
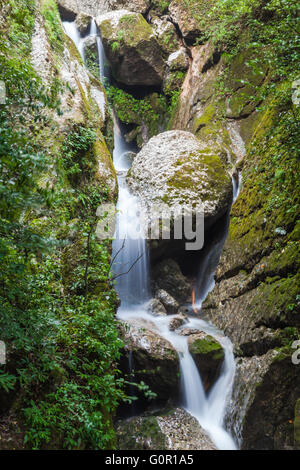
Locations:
column 153, row 360
column 173, row 429
column 208, row 355
column 83, row 23
column 132, row 48
column 177, row 170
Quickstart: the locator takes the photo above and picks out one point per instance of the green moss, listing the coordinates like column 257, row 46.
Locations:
column 207, row 346
column 278, row 301
column 183, row 176
column 149, row 112
column 53, row 25
column 133, row 29
column 140, row 434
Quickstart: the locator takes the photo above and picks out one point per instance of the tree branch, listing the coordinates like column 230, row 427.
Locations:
column 122, row 274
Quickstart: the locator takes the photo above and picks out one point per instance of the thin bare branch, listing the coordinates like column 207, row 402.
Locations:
column 119, row 251
column 122, row 274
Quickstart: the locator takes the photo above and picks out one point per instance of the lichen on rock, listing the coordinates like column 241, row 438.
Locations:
column 176, row 169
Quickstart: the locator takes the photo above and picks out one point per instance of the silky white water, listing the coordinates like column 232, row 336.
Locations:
column 73, row 33
column 132, row 272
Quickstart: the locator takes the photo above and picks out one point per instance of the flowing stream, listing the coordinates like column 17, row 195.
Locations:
column 131, row 266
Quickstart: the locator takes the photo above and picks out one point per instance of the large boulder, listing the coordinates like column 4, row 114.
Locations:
column 131, row 48
column 153, row 360
column 172, row 429
column 175, row 170
column 83, row 23
column 208, row 355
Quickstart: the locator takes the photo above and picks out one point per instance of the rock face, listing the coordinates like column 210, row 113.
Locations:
column 83, row 23
column 171, row 430
column 265, row 388
column 168, row 276
column 131, row 48
column 188, row 19
column 177, row 65
column 208, row 355
column 70, row 8
column 176, row 169
column 154, row 361
column 165, row 33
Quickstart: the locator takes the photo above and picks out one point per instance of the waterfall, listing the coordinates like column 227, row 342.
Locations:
column 237, row 184
column 131, row 265
column 73, row 33
column 131, row 269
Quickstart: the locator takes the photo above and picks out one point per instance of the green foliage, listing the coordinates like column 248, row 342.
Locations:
column 52, row 24
column 7, row 381
column 272, row 26
column 151, row 110
column 116, row 45
column 20, row 20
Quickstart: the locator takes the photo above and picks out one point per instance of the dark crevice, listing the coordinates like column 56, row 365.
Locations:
column 65, row 14
column 212, row 61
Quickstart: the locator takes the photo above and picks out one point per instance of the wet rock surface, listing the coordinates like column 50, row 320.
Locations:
column 177, row 321
column 156, row 308
column 154, row 359
column 265, row 389
column 171, row 430
column 208, row 355
column 171, row 305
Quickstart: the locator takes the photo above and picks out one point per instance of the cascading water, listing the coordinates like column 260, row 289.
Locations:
column 131, row 268
column 73, row 33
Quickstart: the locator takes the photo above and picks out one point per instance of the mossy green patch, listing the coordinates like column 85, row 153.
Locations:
column 140, row 434
column 207, row 346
